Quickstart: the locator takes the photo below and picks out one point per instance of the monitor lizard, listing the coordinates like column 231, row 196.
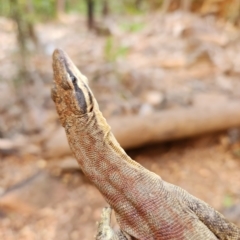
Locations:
column 146, row 207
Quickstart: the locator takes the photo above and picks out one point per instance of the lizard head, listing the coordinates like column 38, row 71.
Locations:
column 70, row 90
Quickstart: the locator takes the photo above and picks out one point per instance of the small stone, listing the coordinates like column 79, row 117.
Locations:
column 145, row 109
column 234, row 135
column 224, row 83
column 6, row 144
column 153, row 98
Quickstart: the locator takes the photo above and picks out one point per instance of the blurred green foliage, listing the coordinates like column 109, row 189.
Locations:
column 227, row 201
column 132, row 26
column 33, row 10
column 43, row 10
column 113, row 50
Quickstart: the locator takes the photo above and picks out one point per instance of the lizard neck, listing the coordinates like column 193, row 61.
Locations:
column 98, row 153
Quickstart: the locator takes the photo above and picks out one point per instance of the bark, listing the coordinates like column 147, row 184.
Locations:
column 90, row 14
column 16, row 15
column 60, row 7
column 186, row 5
column 138, row 4
column 165, row 6
column 105, row 8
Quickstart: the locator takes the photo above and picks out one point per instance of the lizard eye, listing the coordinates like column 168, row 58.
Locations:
column 73, row 78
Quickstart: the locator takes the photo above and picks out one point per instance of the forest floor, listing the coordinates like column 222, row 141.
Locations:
column 147, row 64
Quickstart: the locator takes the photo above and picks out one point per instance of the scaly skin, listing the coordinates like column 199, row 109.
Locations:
column 146, row 207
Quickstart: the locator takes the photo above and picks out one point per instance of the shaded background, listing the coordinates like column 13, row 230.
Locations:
column 142, row 59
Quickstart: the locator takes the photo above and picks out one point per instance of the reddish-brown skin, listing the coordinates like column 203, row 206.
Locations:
column 146, row 207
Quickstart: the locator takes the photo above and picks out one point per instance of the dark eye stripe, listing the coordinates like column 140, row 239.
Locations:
column 78, row 91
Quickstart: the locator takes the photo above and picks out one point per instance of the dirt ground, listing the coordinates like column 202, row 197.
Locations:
column 168, row 63
column 62, row 204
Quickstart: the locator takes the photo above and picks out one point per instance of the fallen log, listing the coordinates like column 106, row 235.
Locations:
column 135, row 131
